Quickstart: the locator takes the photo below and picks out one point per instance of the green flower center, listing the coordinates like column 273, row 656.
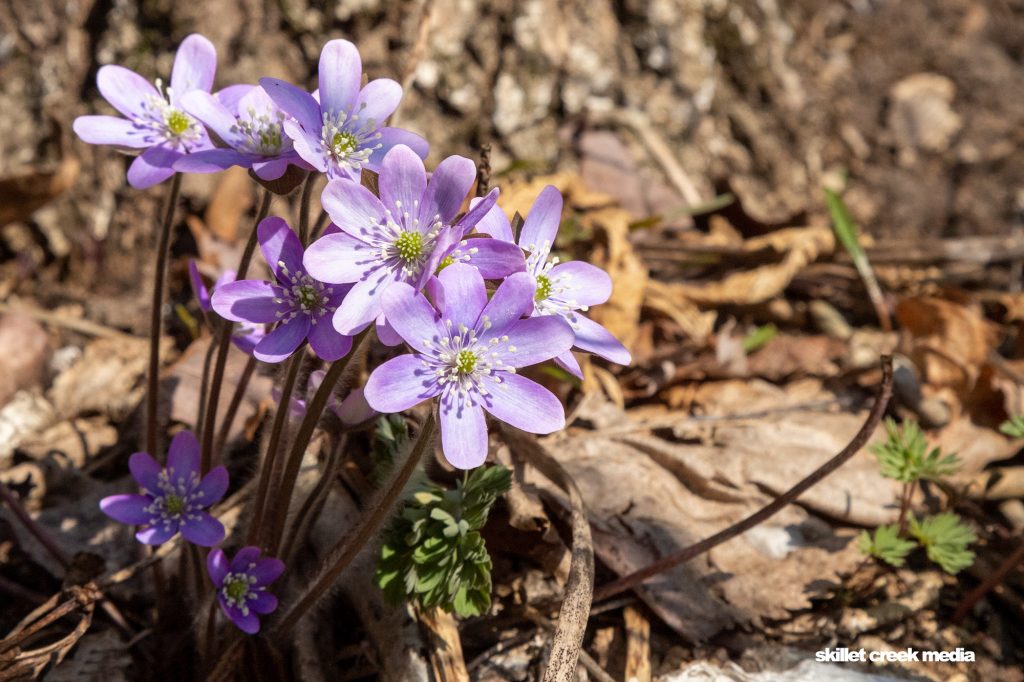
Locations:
column 237, row 589
column 409, row 246
column 178, row 121
column 308, row 297
column 344, row 143
column 174, row 504
column 445, row 262
column 270, row 139
column 465, row 361
column 543, row 288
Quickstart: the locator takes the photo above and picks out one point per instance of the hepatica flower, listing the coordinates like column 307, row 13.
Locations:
column 154, row 119
column 301, row 305
column 343, row 131
column 252, row 127
column 241, row 585
column 467, row 357
column 400, row 237
column 246, row 335
column 564, row 290
column 172, row 499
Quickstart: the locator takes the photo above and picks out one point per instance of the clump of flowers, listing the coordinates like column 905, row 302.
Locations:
column 407, row 251
column 174, row 498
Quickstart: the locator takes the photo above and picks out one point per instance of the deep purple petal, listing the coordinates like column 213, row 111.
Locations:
column 512, row 300
column 494, row 258
column 542, row 222
column 463, row 432
column 587, row 284
column 130, row 509
column 339, row 257
column 204, row 530
column 145, row 471
column 152, row 167
column 217, row 566
column 212, row 113
column 593, row 338
column 264, row 603
column 378, row 99
column 183, row 456
column 199, row 289
column 341, row 72
column 399, row 384
column 213, row 486
column 249, row 624
column 273, row 168
column 362, row 304
column 386, row 334
column 449, row 184
column 281, row 248
column 494, row 222
column 326, row 342
column 248, row 300
column 568, row 362
column 412, row 316
column 211, row 161
column 295, row 102
column 464, row 294
column 112, row 130
column 537, row 339
column 524, row 404
column 391, row 138
column 195, row 65
column 402, row 182
column 157, row 535
column 127, row 91
column 245, row 559
column 266, row 571
column 279, row 344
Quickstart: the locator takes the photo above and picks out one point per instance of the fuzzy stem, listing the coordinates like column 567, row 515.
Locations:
column 224, row 343
column 156, row 315
column 40, row 533
column 204, row 380
column 905, row 498
column 270, row 458
column 236, row 402
column 307, row 190
column 314, row 501
column 349, row 547
column 278, row 511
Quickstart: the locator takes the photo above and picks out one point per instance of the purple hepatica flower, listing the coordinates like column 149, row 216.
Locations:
column 241, row 585
column 468, row 357
column 400, row 237
column 563, row 289
column 154, row 118
column 300, row 303
column 172, row 499
column 340, row 133
column 252, row 128
column 246, row 335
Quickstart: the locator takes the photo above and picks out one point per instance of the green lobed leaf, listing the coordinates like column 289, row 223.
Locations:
column 945, row 538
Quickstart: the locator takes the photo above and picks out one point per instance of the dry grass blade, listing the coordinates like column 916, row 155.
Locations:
column 579, row 588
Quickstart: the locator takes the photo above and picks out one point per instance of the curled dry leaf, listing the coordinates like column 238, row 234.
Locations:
column 27, row 192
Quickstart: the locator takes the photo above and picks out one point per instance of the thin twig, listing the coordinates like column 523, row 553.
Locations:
column 995, row 578
column 307, row 190
column 156, row 315
column 236, row 401
column 37, row 531
column 674, row 559
column 75, row 324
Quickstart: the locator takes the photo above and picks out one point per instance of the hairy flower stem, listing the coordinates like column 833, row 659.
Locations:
column 349, row 547
column 257, row 527
column 278, row 511
column 307, row 191
column 236, row 402
column 321, row 223
column 156, row 315
column 314, row 502
column 203, row 386
column 223, row 341
column 905, row 500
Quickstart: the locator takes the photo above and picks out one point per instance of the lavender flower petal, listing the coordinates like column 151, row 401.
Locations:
column 478, row 211
column 248, row 300
column 210, row 161
column 272, row 169
column 183, row 456
column 391, row 138
column 568, row 362
column 463, row 432
column 327, row 343
column 463, row 285
column 281, row 248
column 402, row 182
column 296, row 102
column 264, row 603
column 494, row 222
column 145, row 471
column 279, row 344
column 125, row 90
column 341, row 73
column 233, row 94
column 449, row 184
column 362, row 304
column 213, row 486
column 587, row 284
column 414, row 318
column 211, row 112
column 512, row 300
column 593, row 338
column 266, row 571
column 111, row 130
column 538, row 339
column 306, row 145
column 400, row 383
column 217, row 566
column 130, row 509
column 157, row 535
column 542, row 222
column 355, row 409
column 338, row 257
column 249, row 624
column 243, row 559
column 494, row 258
column 152, row 167
column 194, row 66
column 525, row 405
column 378, row 99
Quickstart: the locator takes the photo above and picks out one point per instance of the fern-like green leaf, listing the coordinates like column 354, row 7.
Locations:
column 886, row 545
column 945, row 538
column 1013, row 427
column 905, row 457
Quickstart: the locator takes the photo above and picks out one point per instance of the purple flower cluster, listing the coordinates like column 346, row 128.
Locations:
column 408, row 252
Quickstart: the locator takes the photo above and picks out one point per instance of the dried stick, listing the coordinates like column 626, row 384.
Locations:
column 674, row 559
column 995, row 578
